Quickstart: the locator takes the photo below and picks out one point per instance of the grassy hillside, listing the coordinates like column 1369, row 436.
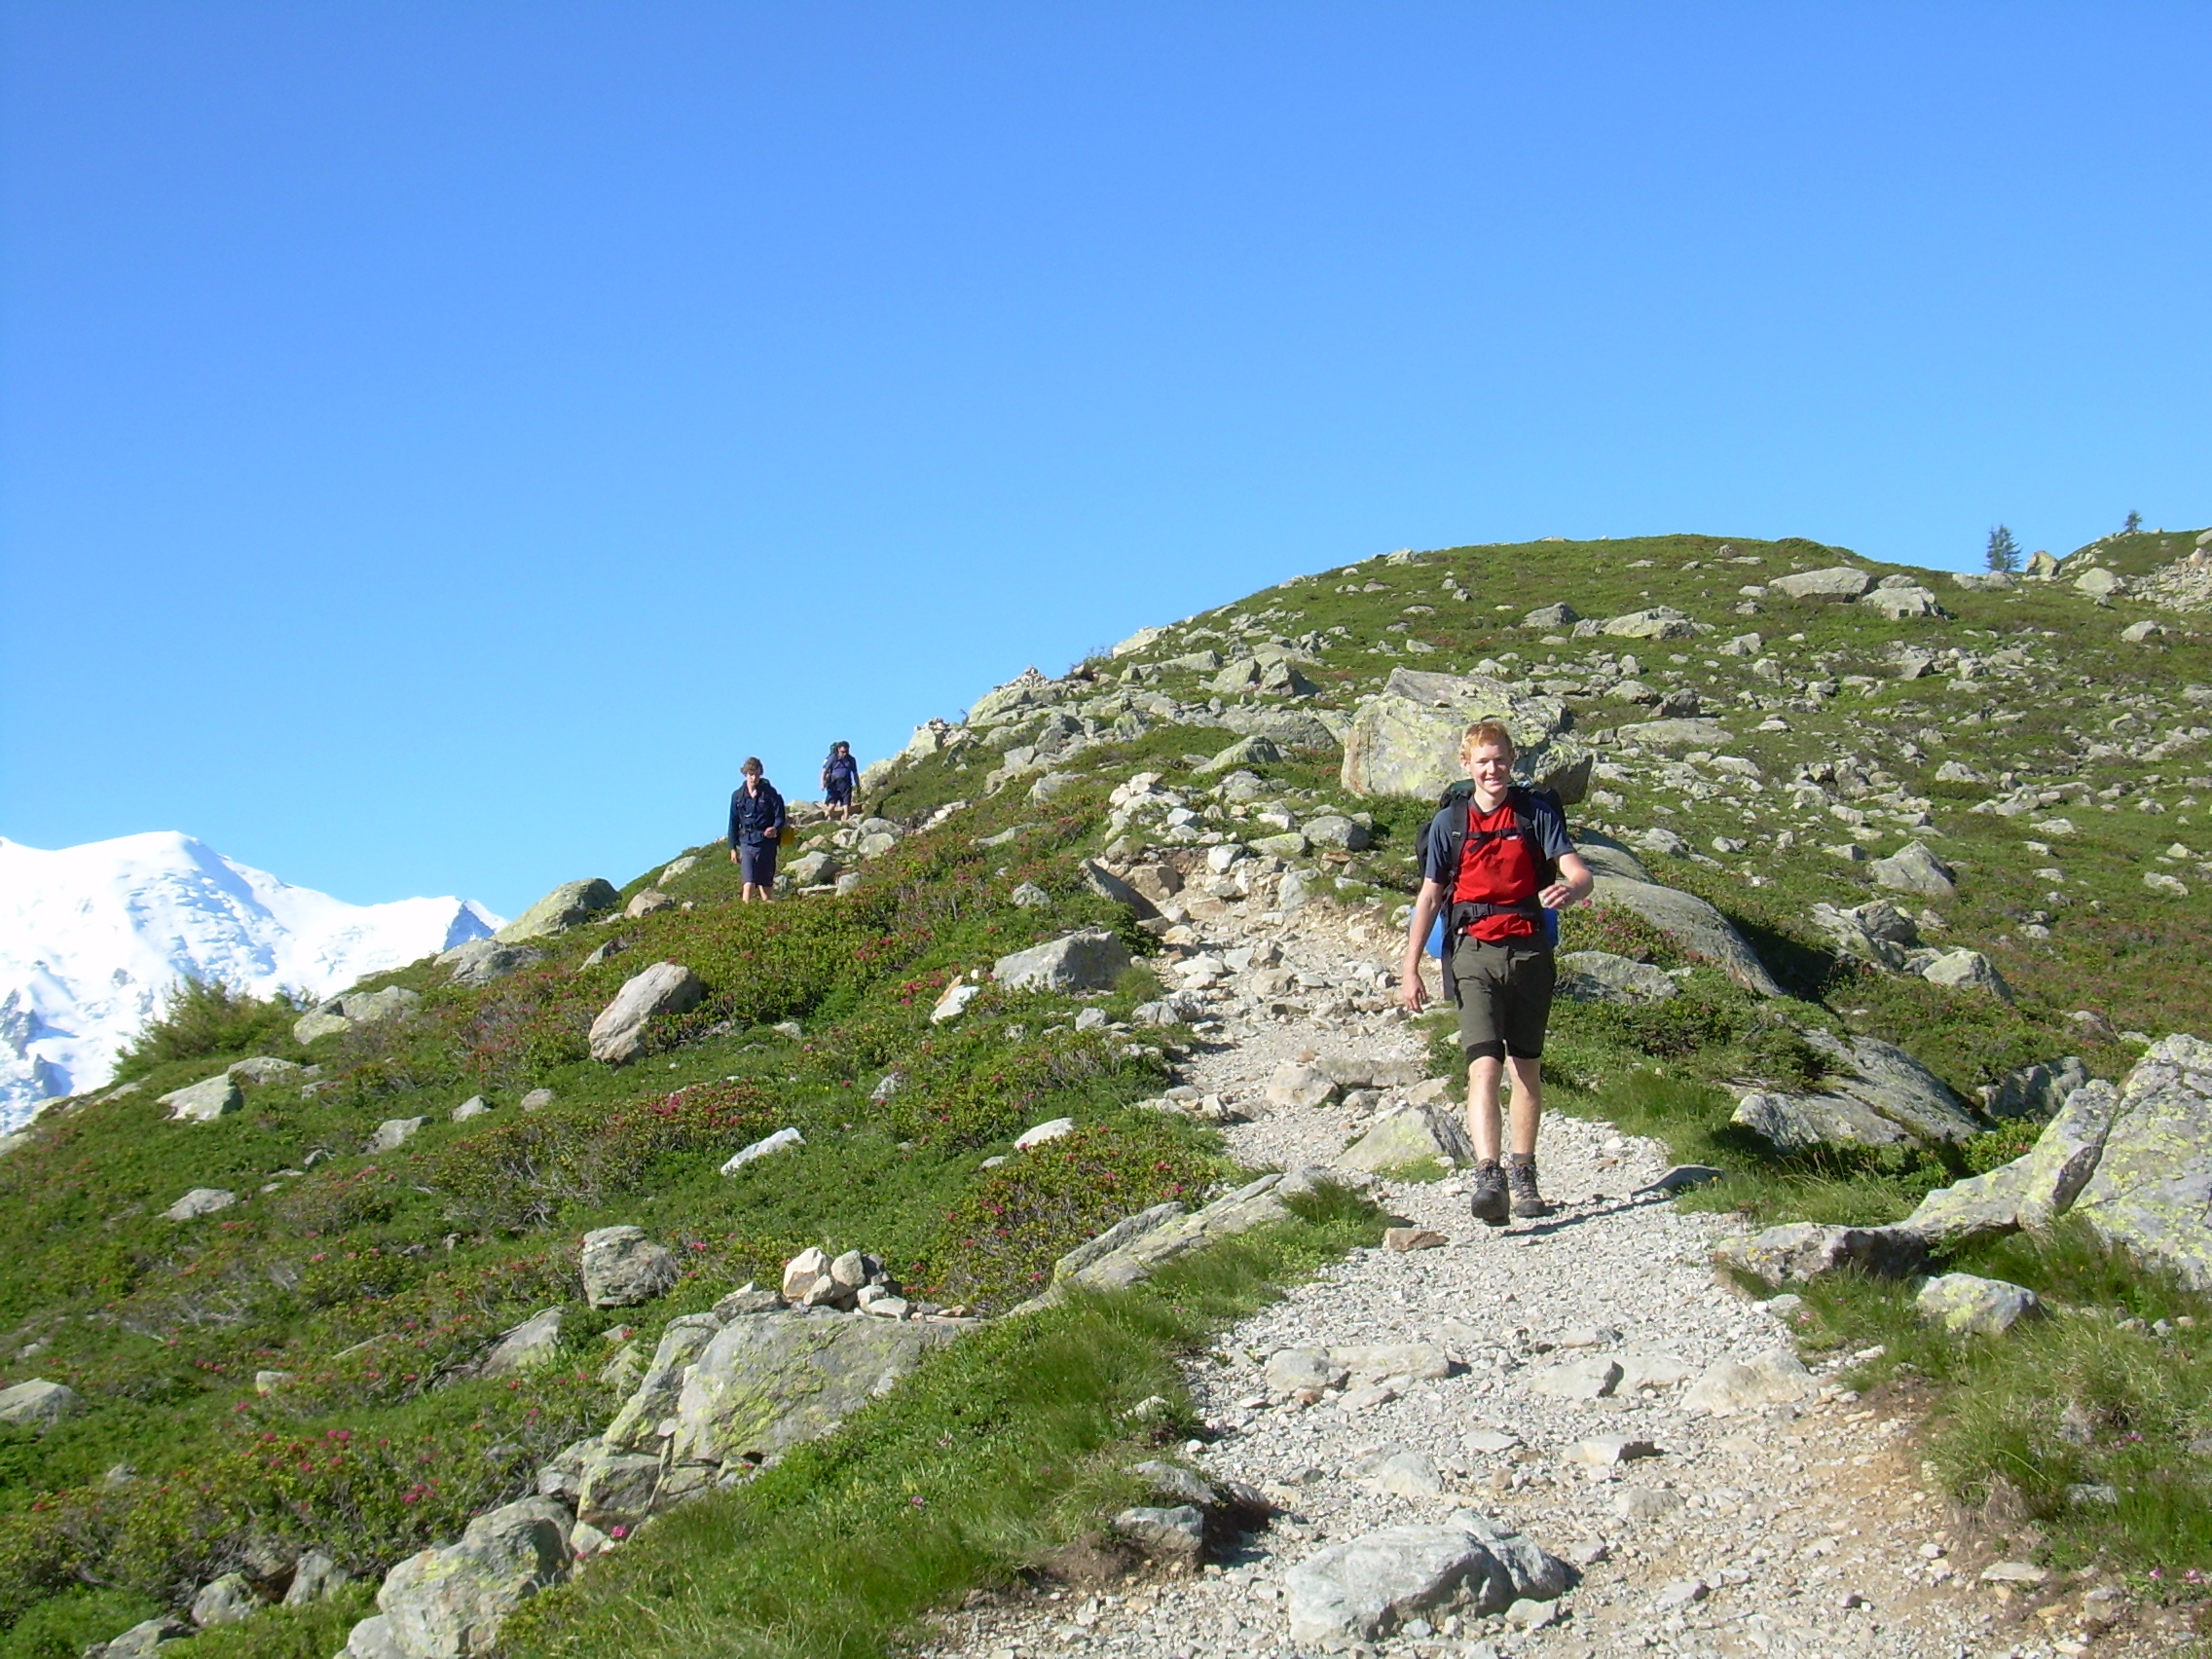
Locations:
column 372, row 1281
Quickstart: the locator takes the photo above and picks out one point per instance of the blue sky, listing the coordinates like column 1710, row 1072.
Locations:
column 437, row 442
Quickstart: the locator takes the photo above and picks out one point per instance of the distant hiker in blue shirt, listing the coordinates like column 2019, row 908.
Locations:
column 841, row 776
column 756, row 824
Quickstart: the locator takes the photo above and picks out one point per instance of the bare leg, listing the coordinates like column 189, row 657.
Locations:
column 1482, row 1108
column 1528, row 1104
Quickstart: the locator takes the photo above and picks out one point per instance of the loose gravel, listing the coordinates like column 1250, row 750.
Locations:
column 1806, row 1529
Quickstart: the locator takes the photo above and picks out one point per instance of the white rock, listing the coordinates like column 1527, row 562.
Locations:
column 761, row 1148
column 1040, row 1133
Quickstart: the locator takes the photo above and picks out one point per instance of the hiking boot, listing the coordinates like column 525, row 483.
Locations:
column 1520, row 1178
column 1490, row 1203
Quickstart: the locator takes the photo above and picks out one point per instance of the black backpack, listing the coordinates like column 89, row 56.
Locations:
column 1454, row 803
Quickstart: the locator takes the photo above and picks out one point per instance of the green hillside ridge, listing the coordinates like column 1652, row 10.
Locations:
column 370, row 1284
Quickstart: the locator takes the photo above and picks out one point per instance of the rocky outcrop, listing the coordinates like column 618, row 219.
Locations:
column 1835, row 584
column 770, row 1380
column 1406, row 739
column 1089, row 959
column 1876, row 1095
column 1806, row 1249
column 536, row 1341
column 2151, row 1191
column 1697, row 929
column 618, row 1034
column 567, row 905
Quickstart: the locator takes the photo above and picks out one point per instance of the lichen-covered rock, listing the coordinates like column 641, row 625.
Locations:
column 1406, row 739
column 1409, row 1137
column 481, row 961
column 2031, row 1192
column 775, row 1379
column 1913, row 869
column 622, row 1267
column 1967, row 970
column 2152, row 1192
column 1965, row 1305
column 616, row 1489
column 568, row 905
column 2035, row 1092
column 315, row 1577
column 228, row 1600
column 200, row 1201
column 618, row 1034
column 354, row 1008
column 681, row 1342
column 450, row 1602
column 1836, row 584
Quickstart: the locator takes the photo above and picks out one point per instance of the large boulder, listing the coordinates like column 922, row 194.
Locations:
column 39, row 1404
column 2151, row 1191
column 1899, row 603
column 618, row 1034
column 1875, row 1094
column 1089, row 959
column 1697, row 929
column 1409, row 1136
column 450, row 1602
column 1369, row 1586
column 1835, row 585
column 1688, row 732
column 568, row 905
column 205, row 1101
column 1660, row 622
column 622, row 1267
column 771, row 1380
column 1406, row 739
column 1967, row 970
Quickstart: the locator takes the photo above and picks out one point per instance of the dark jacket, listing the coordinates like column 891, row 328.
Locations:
column 840, row 770
column 752, row 816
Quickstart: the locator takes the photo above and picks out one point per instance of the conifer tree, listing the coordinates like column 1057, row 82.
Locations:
column 2003, row 552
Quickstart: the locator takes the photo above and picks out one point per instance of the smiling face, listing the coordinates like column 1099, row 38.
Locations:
column 1490, row 764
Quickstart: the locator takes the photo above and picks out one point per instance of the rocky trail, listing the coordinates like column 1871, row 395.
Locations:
column 1569, row 1378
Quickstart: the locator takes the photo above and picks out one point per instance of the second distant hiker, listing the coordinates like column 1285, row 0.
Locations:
column 841, row 776
column 756, row 824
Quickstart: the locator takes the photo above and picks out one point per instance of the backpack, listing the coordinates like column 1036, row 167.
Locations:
column 1451, row 921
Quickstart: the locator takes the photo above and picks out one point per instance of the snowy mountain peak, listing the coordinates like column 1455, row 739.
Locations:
column 93, row 936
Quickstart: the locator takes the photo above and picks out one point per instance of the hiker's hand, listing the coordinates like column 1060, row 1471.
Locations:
column 733, row 855
column 1412, row 992
column 1559, row 896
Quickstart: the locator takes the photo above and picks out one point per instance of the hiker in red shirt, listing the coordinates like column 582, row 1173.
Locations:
column 1493, row 863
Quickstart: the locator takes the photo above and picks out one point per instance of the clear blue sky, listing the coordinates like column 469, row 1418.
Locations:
column 437, row 442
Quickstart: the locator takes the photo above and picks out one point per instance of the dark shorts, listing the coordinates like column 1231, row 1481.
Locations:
column 1505, row 995
column 757, row 864
column 840, row 795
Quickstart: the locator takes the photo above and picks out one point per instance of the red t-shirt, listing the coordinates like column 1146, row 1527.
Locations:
column 1499, row 870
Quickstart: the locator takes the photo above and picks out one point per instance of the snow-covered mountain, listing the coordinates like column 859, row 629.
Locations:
column 91, row 936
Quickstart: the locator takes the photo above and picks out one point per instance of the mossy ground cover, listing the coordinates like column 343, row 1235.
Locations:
column 426, row 1253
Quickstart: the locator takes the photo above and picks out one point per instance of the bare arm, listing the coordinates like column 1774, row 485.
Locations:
column 1573, row 886
column 1411, row 991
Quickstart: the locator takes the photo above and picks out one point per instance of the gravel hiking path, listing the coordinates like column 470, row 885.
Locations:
column 1805, row 1529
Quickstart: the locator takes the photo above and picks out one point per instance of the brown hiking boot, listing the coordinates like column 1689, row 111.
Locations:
column 1491, row 1204
column 1520, row 1178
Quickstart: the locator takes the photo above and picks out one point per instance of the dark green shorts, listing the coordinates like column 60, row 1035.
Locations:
column 1505, row 996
